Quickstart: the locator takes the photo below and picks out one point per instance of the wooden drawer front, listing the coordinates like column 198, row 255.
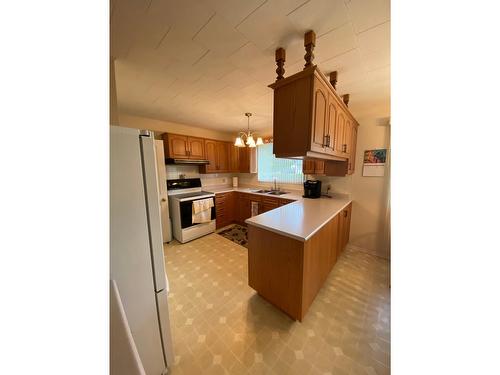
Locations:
column 269, row 204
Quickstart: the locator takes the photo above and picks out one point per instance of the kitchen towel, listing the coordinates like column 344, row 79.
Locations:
column 255, row 208
column 202, row 210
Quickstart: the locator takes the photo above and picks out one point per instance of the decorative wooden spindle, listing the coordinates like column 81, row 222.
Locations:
column 345, row 99
column 309, row 43
column 280, row 62
column 333, row 79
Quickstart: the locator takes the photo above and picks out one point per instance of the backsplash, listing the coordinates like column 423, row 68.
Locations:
column 191, row 171
column 342, row 185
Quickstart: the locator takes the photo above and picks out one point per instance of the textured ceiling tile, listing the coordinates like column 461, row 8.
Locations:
column 376, row 60
column 335, row 42
column 126, row 21
column 179, row 46
column 250, row 57
column 268, row 26
column 182, row 80
column 348, row 65
column 188, row 16
column 212, row 65
column 234, row 11
column 320, row 16
column 368, row 13
column 219, row 36
column 376, row 39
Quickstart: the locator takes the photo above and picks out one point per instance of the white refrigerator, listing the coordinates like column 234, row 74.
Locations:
column 166, row 224
column 137, row 266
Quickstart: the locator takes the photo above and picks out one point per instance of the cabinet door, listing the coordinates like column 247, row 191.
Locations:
column 234, row 158
column 245, row 208
column 347, row 136
column 269, row 204
column 211, row 155
column 347, row 225
column 222, row 157
column 319, row 167
column 244, row 159
column 339, row 133
column 341, row 233
column 331, row 126
column 352, row 156
column 177, row 146
column 308, row 166
column 196, row 148
column 319, row 125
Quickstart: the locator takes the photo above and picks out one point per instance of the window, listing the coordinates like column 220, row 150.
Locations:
column 287, row 171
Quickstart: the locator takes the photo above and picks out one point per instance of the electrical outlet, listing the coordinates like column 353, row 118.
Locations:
column 223, row 180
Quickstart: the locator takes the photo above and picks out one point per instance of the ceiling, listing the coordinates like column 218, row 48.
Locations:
column 207, row 62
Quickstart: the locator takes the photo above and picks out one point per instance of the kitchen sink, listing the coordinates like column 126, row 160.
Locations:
column 277, row 192
column 261, row 191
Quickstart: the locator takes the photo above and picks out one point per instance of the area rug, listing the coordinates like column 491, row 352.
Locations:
column 237, row 234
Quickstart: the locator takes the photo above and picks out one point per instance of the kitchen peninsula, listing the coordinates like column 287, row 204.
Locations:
column 292, row 249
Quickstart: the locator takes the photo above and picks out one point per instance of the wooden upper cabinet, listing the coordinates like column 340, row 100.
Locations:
column 339, row 133
column 309, row 118
column 196, row 148
column 211, row 155
column 247, row 159
column 320, row 120
column 331, row 127
column 183, row 147
column 176, row 146
column 347, row 137
column 308, row 166
column 234, row 158
column 222, row 157
column 217, row 154
column 352, row 155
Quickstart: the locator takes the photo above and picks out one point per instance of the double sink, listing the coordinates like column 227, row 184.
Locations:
column 270, row 192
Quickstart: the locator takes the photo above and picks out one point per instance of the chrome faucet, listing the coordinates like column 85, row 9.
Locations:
column 276, row 188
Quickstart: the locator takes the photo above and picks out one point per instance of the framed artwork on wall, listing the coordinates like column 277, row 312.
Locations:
column 374, row 162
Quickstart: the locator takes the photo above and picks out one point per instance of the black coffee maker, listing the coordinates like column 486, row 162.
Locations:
column 312, row 189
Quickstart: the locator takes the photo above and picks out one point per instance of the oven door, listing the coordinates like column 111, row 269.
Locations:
column 186, row 208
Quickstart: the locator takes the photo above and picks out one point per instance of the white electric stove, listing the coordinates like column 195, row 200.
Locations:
column 181, row 195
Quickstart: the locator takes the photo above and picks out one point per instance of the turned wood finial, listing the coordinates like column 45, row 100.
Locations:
column 333, row 79
column 309, row 43
column 280, row 62
column 345, row 99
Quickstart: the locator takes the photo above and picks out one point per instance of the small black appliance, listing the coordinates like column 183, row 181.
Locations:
column 312, row 189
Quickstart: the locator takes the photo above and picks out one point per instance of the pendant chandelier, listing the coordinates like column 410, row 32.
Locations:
column 250, row 142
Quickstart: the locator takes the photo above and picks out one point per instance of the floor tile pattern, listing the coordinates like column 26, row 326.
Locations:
column 221, row 326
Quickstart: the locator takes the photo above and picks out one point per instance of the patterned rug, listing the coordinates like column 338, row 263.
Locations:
column 237, row 234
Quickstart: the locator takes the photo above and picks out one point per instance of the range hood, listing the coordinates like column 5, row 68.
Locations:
column 186, row 161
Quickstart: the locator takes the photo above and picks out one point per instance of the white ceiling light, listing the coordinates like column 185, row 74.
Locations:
column 250, row 141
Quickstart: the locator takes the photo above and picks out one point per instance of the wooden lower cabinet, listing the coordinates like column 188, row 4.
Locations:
column 287, row 272
column 268, row 204
column 344, row 227
column 236, row 207
column 224, row 209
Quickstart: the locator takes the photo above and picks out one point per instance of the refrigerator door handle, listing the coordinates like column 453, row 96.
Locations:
column 153, row 211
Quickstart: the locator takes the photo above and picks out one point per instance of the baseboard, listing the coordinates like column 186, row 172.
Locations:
column 367, row 251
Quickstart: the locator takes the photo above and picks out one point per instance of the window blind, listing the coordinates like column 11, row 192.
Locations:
column 269, row 167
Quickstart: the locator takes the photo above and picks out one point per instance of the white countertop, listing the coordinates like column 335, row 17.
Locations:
column 299, row 220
